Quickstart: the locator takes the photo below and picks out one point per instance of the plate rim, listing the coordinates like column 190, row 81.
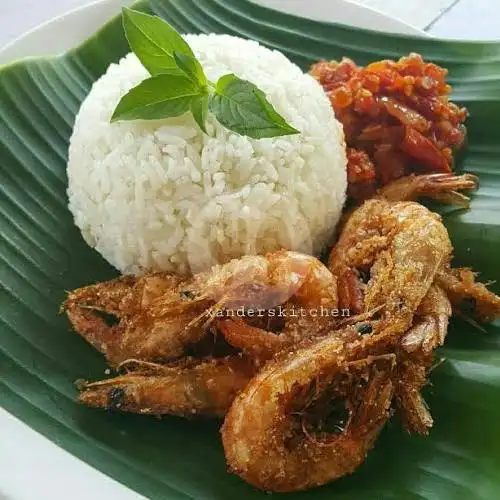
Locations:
column 13, row 485
column 30, row 36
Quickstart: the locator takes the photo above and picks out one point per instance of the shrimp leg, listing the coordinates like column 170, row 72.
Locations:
column 269, row 435
column 469, row 296
column 415, row 357
column 205, row 388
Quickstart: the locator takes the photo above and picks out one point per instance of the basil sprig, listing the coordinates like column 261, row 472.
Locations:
column 178, row 84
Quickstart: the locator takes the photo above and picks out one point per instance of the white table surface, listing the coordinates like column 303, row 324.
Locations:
column 465, row 19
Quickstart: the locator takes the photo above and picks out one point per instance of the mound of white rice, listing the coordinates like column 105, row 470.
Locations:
column 161, row 195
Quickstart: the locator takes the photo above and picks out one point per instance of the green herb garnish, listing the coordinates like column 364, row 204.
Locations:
column 157, row 97
column 178, row 84
column 235, row 99
column 153, row 40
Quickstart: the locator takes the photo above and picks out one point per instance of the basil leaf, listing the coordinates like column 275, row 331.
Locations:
column 243, row 108
column 191, row 67
column 153, row 41
column 160, row 96
column 199, row 109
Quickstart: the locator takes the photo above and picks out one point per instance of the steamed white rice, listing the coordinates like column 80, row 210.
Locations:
column 161, row 195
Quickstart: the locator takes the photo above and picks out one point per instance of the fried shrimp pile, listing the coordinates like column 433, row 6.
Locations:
column 159, row 317
column 180, row 340
column 303, row 397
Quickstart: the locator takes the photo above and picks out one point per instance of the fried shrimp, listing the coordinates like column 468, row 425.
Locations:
column 159, row 316
column 304, row 396
column 393, row 256
column 252, row 282
column 256, row 342
column 263, row 282
column 188, row 388
column 391, row 248
column 388, row 255
column 310, row 417
column 308, row 286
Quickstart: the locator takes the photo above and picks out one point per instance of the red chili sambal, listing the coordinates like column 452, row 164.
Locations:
column 397, row 117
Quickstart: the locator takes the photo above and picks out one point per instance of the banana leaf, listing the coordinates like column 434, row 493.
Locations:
column 43, row 255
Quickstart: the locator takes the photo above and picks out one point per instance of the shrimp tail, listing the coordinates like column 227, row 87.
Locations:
column 443, row 187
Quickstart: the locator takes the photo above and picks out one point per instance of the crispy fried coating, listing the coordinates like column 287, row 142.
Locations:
column 256, row 342
column 393, row 257
column 391, row 248
column 305, row 396
column 314, row 288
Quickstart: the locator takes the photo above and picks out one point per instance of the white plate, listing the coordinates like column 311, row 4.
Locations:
column 345, row 12
column 68, row 30
column 45, row 471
